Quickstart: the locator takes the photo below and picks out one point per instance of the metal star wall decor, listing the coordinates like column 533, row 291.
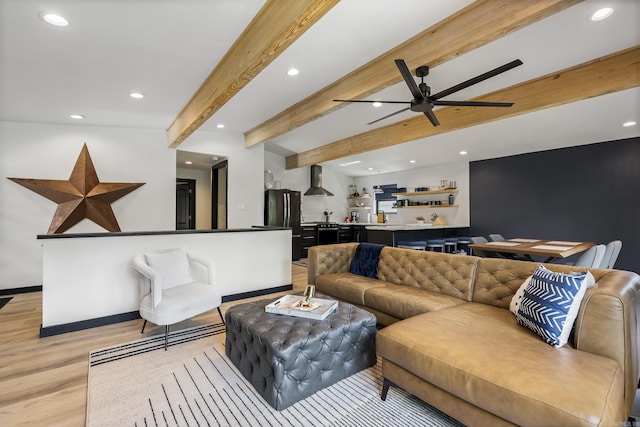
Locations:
column 82, row 196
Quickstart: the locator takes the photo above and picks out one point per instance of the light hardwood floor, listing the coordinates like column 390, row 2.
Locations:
column 43, row 381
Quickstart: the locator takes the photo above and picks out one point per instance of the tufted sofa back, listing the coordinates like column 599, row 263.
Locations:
column 432, row 271
column 498, row 279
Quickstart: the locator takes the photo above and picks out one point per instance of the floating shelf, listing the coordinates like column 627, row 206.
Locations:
column 424, row 193
column 426, row 206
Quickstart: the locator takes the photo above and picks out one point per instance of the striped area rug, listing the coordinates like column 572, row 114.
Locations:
column 194, row 384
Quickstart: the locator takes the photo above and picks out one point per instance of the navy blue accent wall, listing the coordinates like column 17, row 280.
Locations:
column 584, row 193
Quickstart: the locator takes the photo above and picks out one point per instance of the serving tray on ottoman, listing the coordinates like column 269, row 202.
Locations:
column 289, row 358
column 291, row 305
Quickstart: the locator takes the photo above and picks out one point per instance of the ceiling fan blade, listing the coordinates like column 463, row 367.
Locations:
column 366, row 100
column 473, row 103
column 476, row 79
column 408, row 78
column 388, row 115
column 432, row 117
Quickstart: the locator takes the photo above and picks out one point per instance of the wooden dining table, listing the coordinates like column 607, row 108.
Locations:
column 552, row 249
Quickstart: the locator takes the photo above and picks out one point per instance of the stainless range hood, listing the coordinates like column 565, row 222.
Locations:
column 316, row 183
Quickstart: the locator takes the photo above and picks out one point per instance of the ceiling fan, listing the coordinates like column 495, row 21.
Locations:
column 423, row 101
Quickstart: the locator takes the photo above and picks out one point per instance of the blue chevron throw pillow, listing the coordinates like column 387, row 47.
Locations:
column 550, row 304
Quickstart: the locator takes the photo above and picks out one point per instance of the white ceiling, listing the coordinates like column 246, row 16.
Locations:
column 166, row 49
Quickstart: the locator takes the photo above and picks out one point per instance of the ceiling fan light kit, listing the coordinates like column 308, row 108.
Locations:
column 423, row 101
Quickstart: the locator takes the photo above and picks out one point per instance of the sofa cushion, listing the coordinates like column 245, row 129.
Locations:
column 550, row 304
column 479, row 354
column 346, row 286
column 405, row 301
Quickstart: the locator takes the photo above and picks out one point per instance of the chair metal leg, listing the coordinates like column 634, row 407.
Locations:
column 143, row 325
column 166, row 337
column 221, row 317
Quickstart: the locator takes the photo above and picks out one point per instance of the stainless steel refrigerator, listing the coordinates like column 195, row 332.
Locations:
column 282, row 209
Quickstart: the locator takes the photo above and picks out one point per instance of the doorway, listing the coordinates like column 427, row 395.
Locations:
column 185, row 204
column 219, row 175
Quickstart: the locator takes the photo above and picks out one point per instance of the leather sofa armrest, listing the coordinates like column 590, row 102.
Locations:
column 608, row 324
column 329, row 259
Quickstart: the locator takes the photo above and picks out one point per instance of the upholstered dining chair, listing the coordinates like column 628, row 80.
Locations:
column 495, row 237
column 590, row 258
column 174, row 286
column 479, row 252
column 611, row 252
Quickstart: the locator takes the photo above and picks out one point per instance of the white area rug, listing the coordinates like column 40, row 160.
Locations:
column 194, row 384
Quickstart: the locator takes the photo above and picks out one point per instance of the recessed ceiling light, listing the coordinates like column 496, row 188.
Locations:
column 220, row 125
column 601, row 14
column 355, row 162
column 369, row 169
column 412, row 161
column 463, row 153
column 136, row 95
column 54, row 19
column 76, row 116
column 377, row 104
column 188, row 162
column 629, row 124
column 293, row 72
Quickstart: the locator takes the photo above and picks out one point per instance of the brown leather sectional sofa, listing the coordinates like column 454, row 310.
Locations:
column 451, row 340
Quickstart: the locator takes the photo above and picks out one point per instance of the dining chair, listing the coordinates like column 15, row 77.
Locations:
column 480, row 252
column 590, row 258
column 611, row 252
column 174, row 286
column 521, row 257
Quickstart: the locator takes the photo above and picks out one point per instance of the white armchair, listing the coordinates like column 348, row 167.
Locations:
column 174, row 286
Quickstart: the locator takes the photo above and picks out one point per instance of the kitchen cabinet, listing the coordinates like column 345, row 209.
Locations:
column 427, row 199
column 359, row 233
column 345, row 234
column 308, row 238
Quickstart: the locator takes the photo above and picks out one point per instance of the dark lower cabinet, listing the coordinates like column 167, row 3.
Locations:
column 345, row 234
column 359, row 233
column 308, row 238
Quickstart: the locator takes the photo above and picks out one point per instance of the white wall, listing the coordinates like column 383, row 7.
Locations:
column 338, row 183
column 45, row 151
column 91, row 277
column 427, row 177
column 245, row 199
column 203, row 195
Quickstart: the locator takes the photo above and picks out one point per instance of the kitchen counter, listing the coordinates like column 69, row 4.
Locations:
column 408, row 227
column 391, row 234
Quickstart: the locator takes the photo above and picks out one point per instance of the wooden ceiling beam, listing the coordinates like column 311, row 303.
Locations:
column 471, row 27
column 602, row 76
column 276, row 26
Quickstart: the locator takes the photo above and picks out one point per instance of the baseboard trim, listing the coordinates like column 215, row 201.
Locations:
column 251, row 294
column 87, row 324
column 24, row 290
column 133, row 315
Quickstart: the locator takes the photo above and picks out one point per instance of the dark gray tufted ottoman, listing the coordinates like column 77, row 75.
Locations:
column 289, row 358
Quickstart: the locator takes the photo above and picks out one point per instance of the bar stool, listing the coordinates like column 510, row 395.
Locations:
column 451, row 244
column 463, row 244
column 412, row 244
column 432, row 245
